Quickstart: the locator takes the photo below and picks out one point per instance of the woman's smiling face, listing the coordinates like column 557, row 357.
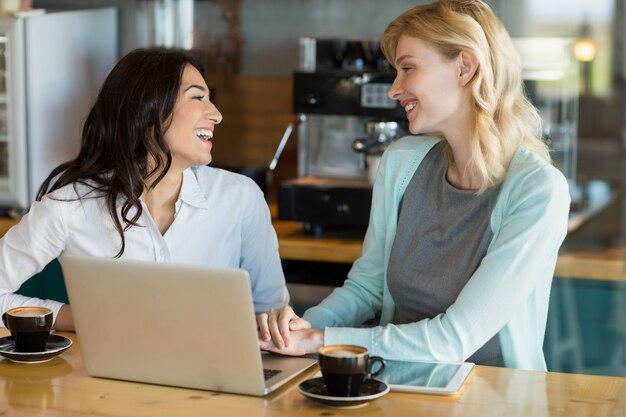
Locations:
column 428, row 86
column 192, row 123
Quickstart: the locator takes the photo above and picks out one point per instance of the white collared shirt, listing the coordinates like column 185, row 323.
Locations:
column 221, row 220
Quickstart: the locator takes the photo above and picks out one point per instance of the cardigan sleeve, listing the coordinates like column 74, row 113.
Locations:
column 364, row 294
column 530, row 223
column 360, row 297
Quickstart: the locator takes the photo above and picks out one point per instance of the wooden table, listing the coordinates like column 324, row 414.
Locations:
column 61, row 387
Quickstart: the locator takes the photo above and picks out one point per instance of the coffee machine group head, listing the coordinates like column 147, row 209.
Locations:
column 340, row 98
column 341, row 92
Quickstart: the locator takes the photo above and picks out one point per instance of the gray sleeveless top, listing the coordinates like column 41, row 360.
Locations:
column 443, row 234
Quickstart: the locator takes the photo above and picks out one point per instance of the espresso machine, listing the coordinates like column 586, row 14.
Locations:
column 344, row 122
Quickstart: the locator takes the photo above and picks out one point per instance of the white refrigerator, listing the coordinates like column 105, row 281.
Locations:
column 51, row 68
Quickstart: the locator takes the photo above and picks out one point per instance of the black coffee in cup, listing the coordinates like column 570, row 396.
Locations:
column 29, row 326
column 346, row 367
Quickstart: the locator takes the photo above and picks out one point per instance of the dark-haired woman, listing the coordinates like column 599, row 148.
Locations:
column 140, row 189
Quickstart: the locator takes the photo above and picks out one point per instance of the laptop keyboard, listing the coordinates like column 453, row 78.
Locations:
column 268, row 373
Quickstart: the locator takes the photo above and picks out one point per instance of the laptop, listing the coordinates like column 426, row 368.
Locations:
column 171, row 324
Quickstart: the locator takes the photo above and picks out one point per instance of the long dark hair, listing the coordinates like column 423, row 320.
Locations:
column 124, row 131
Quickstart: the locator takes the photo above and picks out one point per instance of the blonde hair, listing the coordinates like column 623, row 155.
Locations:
column 504, row 117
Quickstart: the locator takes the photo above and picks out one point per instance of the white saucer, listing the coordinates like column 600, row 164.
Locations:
column 54, row 346
column 315, row 389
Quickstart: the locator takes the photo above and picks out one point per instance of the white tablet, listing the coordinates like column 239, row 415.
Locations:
column 425, row 377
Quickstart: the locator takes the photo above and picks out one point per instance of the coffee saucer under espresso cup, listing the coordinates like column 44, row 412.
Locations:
column 315, row 389
column 54, row 346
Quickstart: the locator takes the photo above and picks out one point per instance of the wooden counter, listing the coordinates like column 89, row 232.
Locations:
column 606, row 265
column 5, row 224
column 345, row 247
column 294, row 244
column 61, row 387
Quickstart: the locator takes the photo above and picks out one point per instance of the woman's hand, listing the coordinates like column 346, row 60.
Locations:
column 302, row 342
column 276, row 325
column 64, row 321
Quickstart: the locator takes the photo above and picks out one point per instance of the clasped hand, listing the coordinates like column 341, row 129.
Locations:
column 283, row 331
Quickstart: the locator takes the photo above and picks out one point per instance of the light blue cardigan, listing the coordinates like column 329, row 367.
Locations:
column 508, row 294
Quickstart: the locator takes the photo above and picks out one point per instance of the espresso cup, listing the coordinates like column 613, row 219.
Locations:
column 346, row 367
column 29, row 326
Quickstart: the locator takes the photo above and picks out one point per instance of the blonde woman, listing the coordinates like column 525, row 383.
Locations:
column 467, row 216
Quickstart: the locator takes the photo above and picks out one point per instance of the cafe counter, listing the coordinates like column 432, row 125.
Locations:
column 345, row 247
column 61, row 387
column 296, row 245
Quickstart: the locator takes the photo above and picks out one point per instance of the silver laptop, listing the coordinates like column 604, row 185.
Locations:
column 171, row 324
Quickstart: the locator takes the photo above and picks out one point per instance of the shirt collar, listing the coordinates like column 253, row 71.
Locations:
column 190, row 192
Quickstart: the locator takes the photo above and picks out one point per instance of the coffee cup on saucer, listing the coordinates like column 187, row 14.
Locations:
column 345, row 368
column 29, row 327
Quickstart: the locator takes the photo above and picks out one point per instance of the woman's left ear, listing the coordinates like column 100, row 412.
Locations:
column 468, row 64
